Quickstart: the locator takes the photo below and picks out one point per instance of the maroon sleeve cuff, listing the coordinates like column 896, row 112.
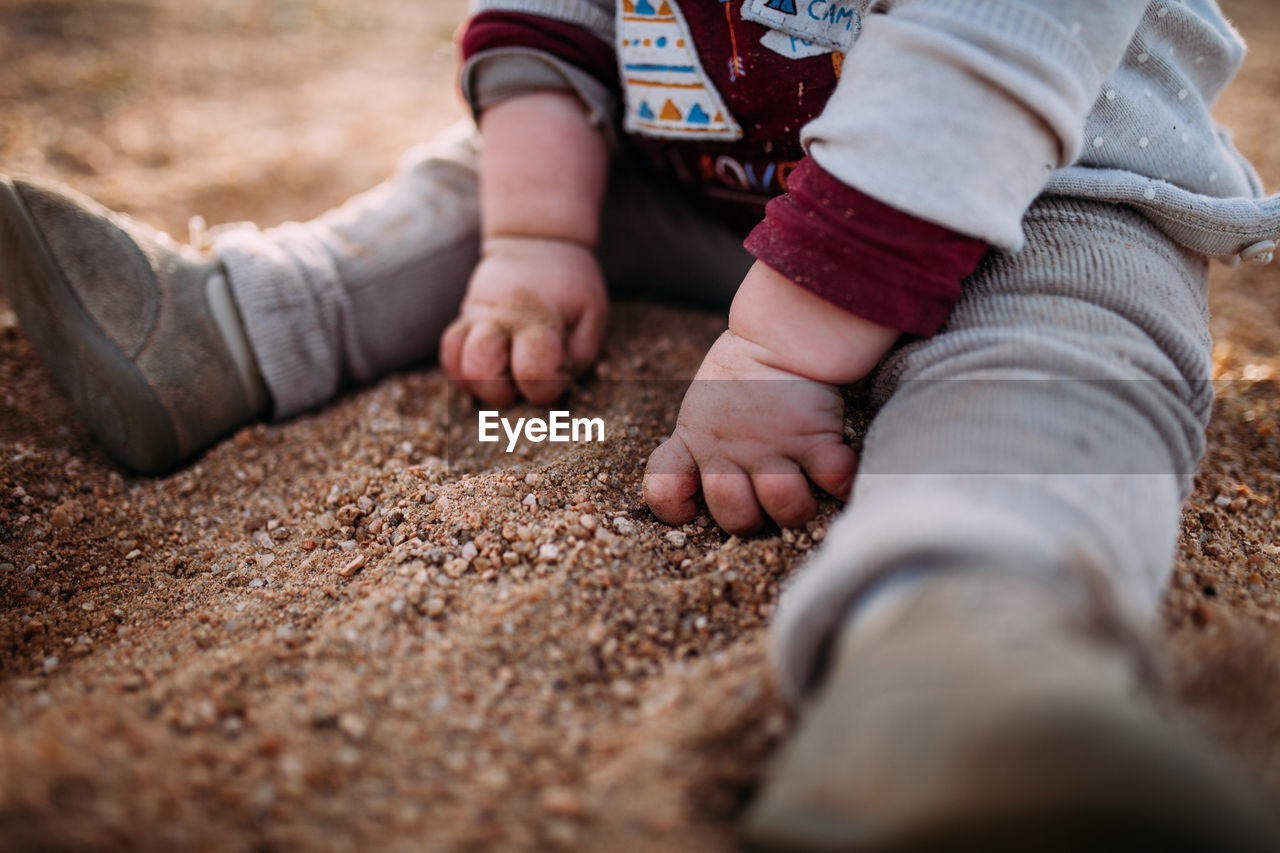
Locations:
column 862, row 255
column 572, row 44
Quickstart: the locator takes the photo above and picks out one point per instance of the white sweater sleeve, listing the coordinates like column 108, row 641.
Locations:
column 593, row 15
column 958, row 111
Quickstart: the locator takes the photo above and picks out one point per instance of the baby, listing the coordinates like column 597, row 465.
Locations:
column 1028, row 189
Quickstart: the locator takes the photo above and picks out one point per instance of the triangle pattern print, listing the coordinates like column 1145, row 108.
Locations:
column 668, row 93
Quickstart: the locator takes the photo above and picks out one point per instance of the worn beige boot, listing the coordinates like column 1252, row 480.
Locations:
column 984, row 712
column 141, row 332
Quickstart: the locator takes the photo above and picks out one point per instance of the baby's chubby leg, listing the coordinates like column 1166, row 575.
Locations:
column 1056, row 421
column 967, row 645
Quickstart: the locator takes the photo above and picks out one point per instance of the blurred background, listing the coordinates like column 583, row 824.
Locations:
column 233, row 109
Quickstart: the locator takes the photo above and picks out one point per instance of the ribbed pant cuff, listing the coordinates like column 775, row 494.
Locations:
column 282, row 321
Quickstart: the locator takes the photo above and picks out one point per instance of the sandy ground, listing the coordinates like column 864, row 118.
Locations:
column 318, row 636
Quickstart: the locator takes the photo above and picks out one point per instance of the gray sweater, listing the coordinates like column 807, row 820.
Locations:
column 962, row 112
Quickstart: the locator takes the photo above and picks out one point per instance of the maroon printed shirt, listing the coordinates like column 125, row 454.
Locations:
column 718, row 101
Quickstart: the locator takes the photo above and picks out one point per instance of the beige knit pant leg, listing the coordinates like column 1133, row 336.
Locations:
column 1053, row 425
column 370, row 286
column 365, row 288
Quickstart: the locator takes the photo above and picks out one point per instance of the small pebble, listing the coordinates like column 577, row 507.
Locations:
column 561, row 801
column 67, row 513
column 548, row 552
column 676, row 538
column 560, row 833
column 624, row 525
column 352, row 567
column 624, row 690
column 353, row 726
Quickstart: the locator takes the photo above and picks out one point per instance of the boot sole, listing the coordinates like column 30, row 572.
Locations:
column 1101, row 788
column 122, row 410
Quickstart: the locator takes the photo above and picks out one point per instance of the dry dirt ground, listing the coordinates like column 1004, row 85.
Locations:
column 317, row 636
